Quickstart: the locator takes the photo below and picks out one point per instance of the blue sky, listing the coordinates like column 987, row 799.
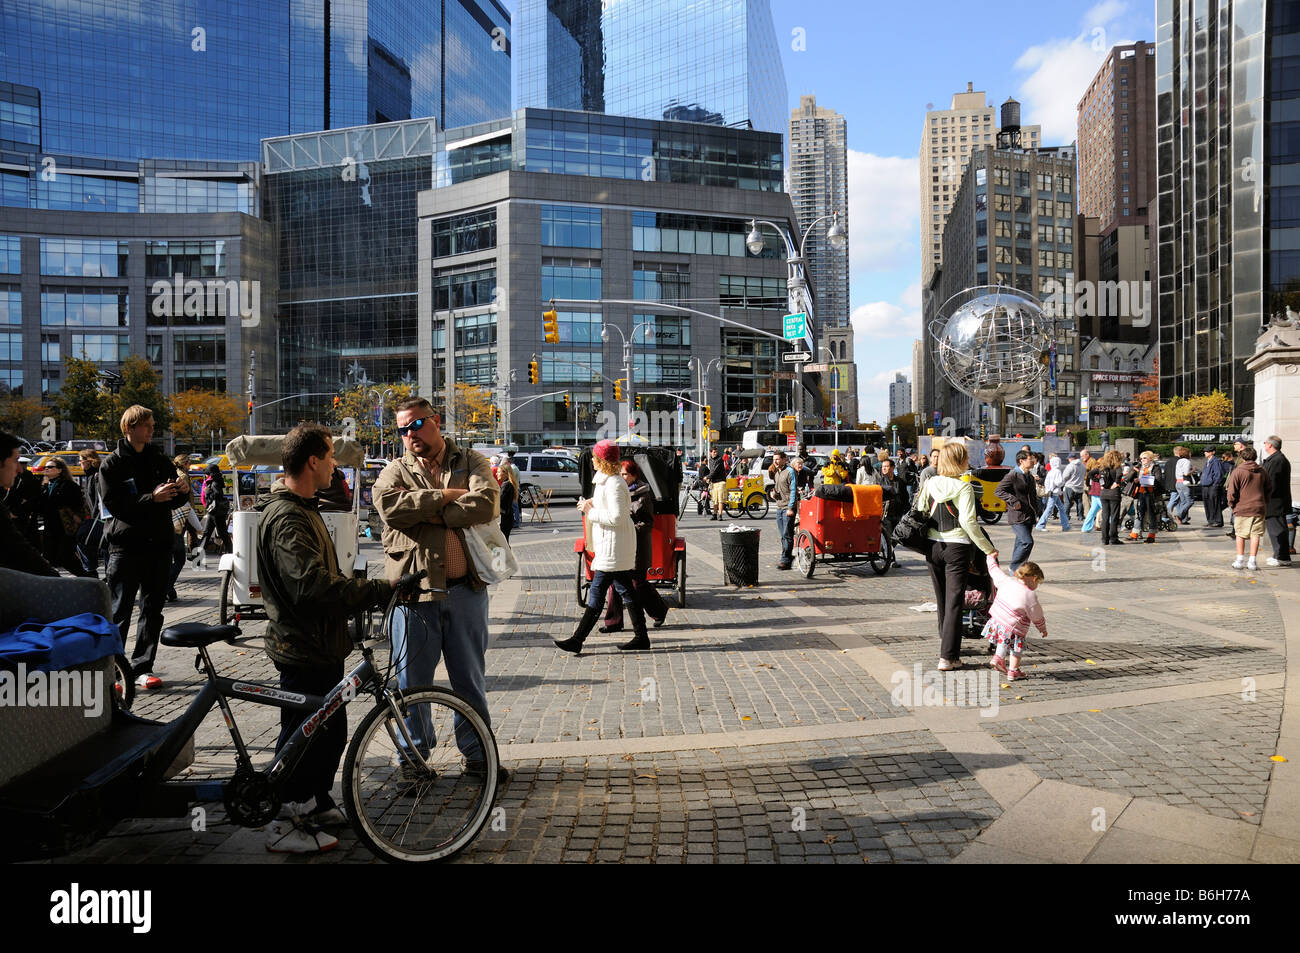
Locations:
column 880, row 64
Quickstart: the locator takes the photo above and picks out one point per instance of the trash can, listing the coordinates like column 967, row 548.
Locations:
column 739, row 556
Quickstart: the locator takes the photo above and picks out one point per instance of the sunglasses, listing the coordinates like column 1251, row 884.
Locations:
column 413, row 426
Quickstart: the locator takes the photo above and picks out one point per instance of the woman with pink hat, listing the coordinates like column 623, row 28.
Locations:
column 613, row 547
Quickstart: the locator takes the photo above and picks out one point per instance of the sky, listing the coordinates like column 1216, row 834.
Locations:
column 881, row 64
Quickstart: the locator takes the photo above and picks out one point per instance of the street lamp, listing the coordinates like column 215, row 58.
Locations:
column 831, row 377
column 383, row 395
column 627, row 359
column 797, row 281
column 703, row 370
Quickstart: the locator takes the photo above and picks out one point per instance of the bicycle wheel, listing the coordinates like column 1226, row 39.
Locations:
column 409, row 814
column 123, row 683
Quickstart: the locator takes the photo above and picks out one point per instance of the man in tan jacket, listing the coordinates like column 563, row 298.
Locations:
column 427, row 499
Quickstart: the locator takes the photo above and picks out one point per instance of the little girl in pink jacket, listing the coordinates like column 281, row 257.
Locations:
column 1013, row 611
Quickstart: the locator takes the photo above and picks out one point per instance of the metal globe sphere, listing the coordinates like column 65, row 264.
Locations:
column 991, row 344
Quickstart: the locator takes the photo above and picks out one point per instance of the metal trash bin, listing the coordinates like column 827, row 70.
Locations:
column 739, row 556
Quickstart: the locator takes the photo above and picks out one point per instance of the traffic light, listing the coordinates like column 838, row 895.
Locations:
column 337, row 402
column 638, row 401
column 250, row 408
column 708, row 417
column 618, row 390
column 567, row 402
column 551, row 326
column 533, row 374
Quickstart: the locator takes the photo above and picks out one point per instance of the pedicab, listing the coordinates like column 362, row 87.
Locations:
column 660, row 470
column 241, row 591
column 837, row 530
column 985, row 480
column 745, row 492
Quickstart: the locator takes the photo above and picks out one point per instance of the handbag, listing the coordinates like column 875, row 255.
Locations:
column 486, row 545
column 913, row 530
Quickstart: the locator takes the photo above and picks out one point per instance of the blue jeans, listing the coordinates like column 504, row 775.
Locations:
column 455, row 628
column 519, row 514
column 785, row 526
column 1057, row 504
column 1180, row 504
column 1024, row 543
column 1090, row 521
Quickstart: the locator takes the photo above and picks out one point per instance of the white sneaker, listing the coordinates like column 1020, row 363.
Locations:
column 1239, row 562
column 286, row 836
column 1271, row 562
column 947, row 666
column 1252, row 565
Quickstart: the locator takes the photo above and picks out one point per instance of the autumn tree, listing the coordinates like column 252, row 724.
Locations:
column 357, row 406
column 197, row 414
column 1146, row 400
column 83, row 401
column 473, row 409
column 20, row 415
column 140, row 385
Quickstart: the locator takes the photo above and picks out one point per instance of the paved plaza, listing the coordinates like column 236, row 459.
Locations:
column 791, row 722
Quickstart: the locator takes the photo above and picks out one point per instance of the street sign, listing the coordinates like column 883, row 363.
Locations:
column 783, row 375
column 1049, row 428
column 816, row 368
column 795, row 357
column 789, row 440
column 795, row 326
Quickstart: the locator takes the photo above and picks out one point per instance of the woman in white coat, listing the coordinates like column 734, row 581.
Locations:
column 613, row 547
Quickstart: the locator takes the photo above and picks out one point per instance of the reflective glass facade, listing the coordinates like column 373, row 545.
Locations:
column 223, row 74
column 1228, row 173
column 713, row 61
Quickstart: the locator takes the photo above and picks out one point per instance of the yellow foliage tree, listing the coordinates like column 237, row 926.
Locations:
column 473, row 409
column 359, row 404
column 21, row 415
column 197, row 415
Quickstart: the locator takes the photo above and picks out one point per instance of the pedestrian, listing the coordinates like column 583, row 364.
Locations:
column 851, row 464
column 1110, row 476
column 1014, row 610
column 509, row 484
column 643, row 521
column 785, row 493
column 1073, row 483
column 835, row 472
column 516, row 508
column 1055, row 487
column 184, row 521
column 16, row 551
column 428, row 499
column 1089, row 464
column 23, row 498
column 1092, row 479
column 63, row 509
column 337, row 497
column 866, row 475
column 894, row 496
column 308, row 600
column 930, row 469
column 90, row 539
column 717, row 482
column 1180, row 504
column 139, row 535
column 613, row 545
column 1228, row 459
column 1213, row 476
column 1249, row 491
column 216, row 506
column 1145, row 481
column 1018, row 490
column 1278, row 468
column 950, row 503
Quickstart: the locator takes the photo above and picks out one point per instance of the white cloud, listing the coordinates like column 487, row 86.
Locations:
column 884, row 212
column 887, row 319
column 1060, row 70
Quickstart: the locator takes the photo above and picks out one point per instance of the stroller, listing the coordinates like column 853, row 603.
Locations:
column 980, row 593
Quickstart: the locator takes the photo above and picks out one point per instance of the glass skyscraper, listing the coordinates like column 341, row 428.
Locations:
column 1228, row 185
column 209, row 79
column 714, row 61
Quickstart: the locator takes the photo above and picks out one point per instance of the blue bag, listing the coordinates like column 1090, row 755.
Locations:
column 62, row 644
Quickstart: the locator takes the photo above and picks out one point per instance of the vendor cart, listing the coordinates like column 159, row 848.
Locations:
column 985, row 480
column 839, row 530
column 745, row 491
column 241, row 592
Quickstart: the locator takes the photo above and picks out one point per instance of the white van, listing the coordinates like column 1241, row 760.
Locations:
column 547, row 471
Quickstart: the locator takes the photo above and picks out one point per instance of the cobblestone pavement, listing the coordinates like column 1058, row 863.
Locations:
column 766, row 725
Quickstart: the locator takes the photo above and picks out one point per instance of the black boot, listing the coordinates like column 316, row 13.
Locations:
column 585, row 625
column 640, row 639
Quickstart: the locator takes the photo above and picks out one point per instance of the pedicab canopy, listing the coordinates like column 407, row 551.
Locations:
column 247, row 451
column 659, row 468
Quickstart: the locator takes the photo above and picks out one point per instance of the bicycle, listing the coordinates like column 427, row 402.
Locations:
column 697, row 492
column 405, row 792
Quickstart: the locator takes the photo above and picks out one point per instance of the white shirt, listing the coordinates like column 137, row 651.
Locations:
column 1181, row 469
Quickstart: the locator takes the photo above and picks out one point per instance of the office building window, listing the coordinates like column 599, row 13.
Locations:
column 10, row 255
column 83, row 307
column 11, row 304
column 459, row 234
column 83, row 258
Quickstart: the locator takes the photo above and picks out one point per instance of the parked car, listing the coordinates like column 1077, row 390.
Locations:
column 547, row 471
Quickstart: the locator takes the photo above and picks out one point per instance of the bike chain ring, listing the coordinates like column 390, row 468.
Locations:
column 249, row 799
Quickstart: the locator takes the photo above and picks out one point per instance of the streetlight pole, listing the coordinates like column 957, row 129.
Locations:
column 703, row 370
column 627, row 361
column 798, row 296
column 835, row 392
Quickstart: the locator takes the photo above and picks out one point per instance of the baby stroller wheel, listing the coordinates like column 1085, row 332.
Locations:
column 1128, row 522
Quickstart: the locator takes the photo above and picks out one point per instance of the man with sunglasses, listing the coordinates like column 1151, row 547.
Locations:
column 427, row 499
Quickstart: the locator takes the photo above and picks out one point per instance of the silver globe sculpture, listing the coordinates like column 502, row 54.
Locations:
column 991, row 343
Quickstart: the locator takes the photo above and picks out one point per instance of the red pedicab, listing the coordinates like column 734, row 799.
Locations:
column 839, row 530
column 660, row 468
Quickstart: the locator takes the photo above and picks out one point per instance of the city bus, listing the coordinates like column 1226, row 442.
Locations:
column 818, row 439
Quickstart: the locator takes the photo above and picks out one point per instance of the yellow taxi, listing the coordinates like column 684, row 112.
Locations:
column 70, row 457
